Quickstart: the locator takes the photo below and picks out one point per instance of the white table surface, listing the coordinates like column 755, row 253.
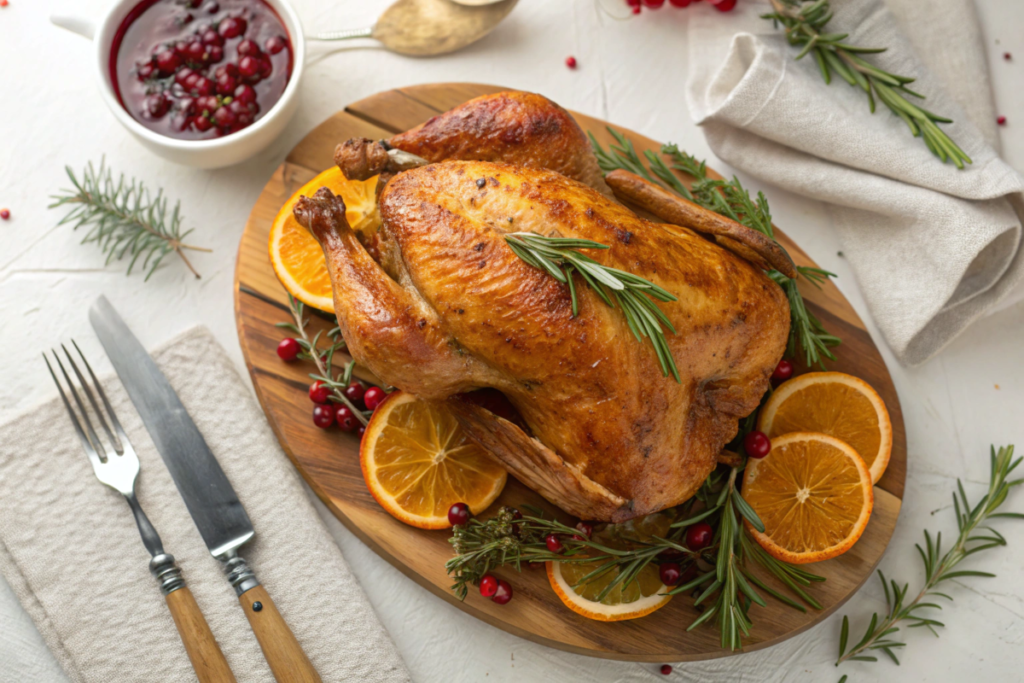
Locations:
column 629, row 72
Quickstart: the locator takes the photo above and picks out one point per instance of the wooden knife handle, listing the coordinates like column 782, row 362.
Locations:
column 282, row 651
column 207, row 659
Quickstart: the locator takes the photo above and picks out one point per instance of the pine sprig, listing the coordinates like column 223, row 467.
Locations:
column 974, row 536
column 124, row 219
column 730, row 199
column 804, row 22
column 633, row 294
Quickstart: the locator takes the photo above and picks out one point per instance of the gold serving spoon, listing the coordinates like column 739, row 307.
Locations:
column 424, row 28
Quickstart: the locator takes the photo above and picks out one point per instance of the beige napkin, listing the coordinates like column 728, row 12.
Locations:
column 71, row 552
column 933, row 247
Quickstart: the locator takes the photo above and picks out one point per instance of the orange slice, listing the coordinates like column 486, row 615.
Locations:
column 417, row 463
column 641, row 597
column 813, row 493
column 295, row 255
column 837, row 404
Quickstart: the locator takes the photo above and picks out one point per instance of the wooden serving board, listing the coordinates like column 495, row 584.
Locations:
column 329, row 460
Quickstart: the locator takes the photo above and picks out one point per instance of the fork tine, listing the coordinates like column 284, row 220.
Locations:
column 88, row 392
column 97, row 444
column 103, row 397
column 86, row 444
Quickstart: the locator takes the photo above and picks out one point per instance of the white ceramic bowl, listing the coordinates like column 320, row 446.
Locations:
column 216, row 153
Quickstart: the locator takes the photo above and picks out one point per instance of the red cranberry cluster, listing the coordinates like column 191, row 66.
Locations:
column 720, row 5
column 188, row 81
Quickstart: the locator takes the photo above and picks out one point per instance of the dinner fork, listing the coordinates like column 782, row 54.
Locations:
column 117, row 465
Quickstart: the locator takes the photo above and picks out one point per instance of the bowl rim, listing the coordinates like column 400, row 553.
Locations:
column 103, row 43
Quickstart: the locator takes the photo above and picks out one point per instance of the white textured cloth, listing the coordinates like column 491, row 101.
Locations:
column 933, row 247
column 71, row 552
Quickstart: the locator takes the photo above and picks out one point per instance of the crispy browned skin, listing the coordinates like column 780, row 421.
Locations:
column 512, row 127
column 677, row 210
column 451, row 308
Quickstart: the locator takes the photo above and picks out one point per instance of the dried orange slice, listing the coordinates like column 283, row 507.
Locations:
column 417, row 463
column 641, row 597
column 295, row 255
column 837, row 404
column 813, row 493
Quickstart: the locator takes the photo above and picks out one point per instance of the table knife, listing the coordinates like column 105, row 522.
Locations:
column 209, row 496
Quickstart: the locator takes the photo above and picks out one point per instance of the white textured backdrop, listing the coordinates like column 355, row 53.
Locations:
column 629, row 72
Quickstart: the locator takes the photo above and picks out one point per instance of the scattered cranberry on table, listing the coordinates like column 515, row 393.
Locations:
column 666, row 669
column 783, row 371
column 570, row 62
column 183, row 76
column 5, row 214
column 554, row 544
column 724, row 5
column 653, row 4
column 488, row 586
column 458, row 514
column 699, row 536
column 679, row 3
column 1007, row 56
column 319, row 392
column 323, row 416
column 1001, row 120
column 288, row 349
column 669, row 573
column 504, row 592
column 373, row 397
column 347, row 420
column 756, row 444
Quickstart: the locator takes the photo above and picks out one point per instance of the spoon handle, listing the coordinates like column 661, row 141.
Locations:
column 343, row 35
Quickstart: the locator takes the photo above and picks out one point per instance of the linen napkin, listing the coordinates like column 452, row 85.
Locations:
column 71, row 552
column 933, row 247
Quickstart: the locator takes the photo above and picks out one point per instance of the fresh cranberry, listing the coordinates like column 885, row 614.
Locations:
column 249, row 66
column 554, row 544
column 212, row 7
column 725, row 5
column 211, row 37
column 229, row 69
column 666, row 669
column 679, row 3
column 319, row 392
column 5, row 214
column 207, row 104
column 699, row 536
column 1007, row 56
column 276, row 44
column 783, row 371
column 157, row 105
column 373, row 397
column 232, row 27
column 202, row 124
column 225, row 118
column 248, row 47
column 654, row 4
column 187, row 106
column 323, row 416
column 266, row 67
column 288, row 349
column 196, row 51
column 586, row 530
column 192, row 81
column 670, row 573
column 504, row 592
column 756, row 444
column 636, row 9
column 145, row 71
column 181, row 121
column 633, row 3
column 488, row 586
column 167, row 61
column 354, row 391
column 214, row 53
column 226, row 85
column 458, row 514
column 570, row 62
column 242, row 112
column 182, row 75
column 362, row 430
column 346, row 419
column 204, row 87
column 1001, row 120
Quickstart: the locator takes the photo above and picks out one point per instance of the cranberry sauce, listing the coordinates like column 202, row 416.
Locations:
column 200, row 69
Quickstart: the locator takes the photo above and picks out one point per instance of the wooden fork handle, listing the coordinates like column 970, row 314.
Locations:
column 207, row 659
column 280, row 648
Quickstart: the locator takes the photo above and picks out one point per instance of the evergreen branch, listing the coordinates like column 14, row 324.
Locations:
column 973, row 537
column 124, row 219
column 633, row 294
column 804, row 23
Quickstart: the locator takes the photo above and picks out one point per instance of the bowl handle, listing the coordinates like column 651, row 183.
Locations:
column 82, row 27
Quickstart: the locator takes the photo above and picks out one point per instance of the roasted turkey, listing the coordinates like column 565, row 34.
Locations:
column 447, row 307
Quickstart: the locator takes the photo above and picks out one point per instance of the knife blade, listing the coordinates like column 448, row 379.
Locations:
column 208, row 495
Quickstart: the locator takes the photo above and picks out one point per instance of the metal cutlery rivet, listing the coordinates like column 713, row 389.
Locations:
column 257, row 606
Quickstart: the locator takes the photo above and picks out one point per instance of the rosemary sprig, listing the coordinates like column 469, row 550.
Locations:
column 728, row 198
column 558, row 256
column 323, row 358
column 804, row 22
column 124, row 218
column 973, row 537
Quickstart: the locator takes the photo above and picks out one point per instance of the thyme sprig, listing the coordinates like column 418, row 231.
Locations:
column 558, row 256
column 804, row 22
column 973, row 537
column 728, row 198
column 124, row 218
column 324, row 358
